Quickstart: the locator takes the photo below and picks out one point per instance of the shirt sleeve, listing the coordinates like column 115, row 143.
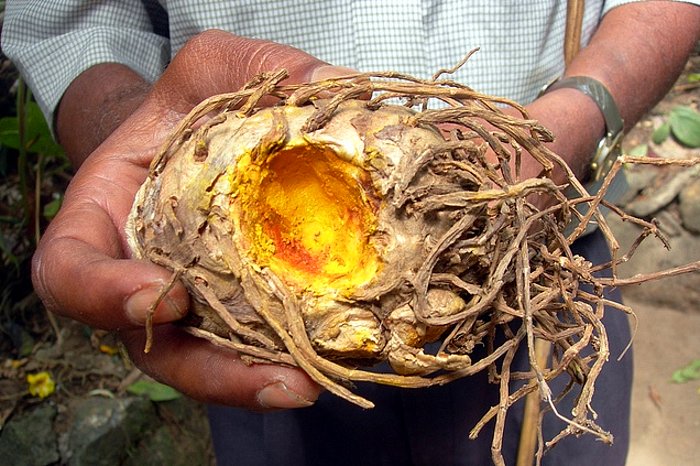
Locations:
column 51, row 43
column 610, row 4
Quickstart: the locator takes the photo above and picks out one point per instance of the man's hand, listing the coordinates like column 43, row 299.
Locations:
column 81, row 268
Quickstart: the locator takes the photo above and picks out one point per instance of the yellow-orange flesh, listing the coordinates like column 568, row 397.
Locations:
column 308, row 215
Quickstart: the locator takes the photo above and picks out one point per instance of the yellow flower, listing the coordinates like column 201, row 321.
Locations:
column 41, row 384
column 110, row 350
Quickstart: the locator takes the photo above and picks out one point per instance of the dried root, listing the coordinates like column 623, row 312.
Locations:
column 484, row 265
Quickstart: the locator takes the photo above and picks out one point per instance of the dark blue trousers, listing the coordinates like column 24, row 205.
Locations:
column 429, row 426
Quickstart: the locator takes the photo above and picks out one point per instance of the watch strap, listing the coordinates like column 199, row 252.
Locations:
column 609, row 147
column 600, row 95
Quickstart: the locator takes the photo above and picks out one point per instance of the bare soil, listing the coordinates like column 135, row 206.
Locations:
column 665, row 415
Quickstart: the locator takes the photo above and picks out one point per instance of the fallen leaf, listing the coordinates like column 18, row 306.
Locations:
column 687, row 373
column 155, row 391
column 655, row 397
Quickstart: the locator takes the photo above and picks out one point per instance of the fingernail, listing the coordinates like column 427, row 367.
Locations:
column 278, row 395
column 330, row 71
column 137, row 305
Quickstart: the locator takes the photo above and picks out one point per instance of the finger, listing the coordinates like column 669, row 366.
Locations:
column 103, row 292
column 217, row 375
column 216, row 62
column 79, row 269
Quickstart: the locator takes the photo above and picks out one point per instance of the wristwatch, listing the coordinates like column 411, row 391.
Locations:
column 609, row 147
column 608, row 150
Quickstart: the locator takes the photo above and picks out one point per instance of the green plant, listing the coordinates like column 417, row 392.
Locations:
column 29, row 139
column 35, row 172
column 154, row 391
column 694, row 78
column 683, row 124
column 688, row 373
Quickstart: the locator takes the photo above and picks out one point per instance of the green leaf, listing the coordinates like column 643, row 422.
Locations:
column 661, row 133
column 639, row 151
column 33, row 121
column 694, row 78
column 9, row 134
column 45, row 146
column 51, row 209
column 37, row 136
column 155, row 391
column 685, row 126
column 687, row 373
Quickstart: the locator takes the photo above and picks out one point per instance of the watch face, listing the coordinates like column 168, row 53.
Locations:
column 609, row 149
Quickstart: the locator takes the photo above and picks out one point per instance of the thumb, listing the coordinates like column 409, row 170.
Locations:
column 329, row 71
column 216, row 62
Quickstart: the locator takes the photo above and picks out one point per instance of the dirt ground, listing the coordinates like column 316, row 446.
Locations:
column 665, row 415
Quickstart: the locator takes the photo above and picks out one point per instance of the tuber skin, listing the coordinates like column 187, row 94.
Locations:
column 436, row 227
column 207, row 218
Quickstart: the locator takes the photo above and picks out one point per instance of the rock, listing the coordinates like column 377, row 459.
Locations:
column 638, row 177
column 664, row 190
column 689, row 205
column 29, row 439
column 670, row 222
column 165, row 447
column 182, row 440
column 103, row 430
column 160, row 448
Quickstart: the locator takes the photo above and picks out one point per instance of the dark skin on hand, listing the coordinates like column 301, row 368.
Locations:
column 111, row 123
